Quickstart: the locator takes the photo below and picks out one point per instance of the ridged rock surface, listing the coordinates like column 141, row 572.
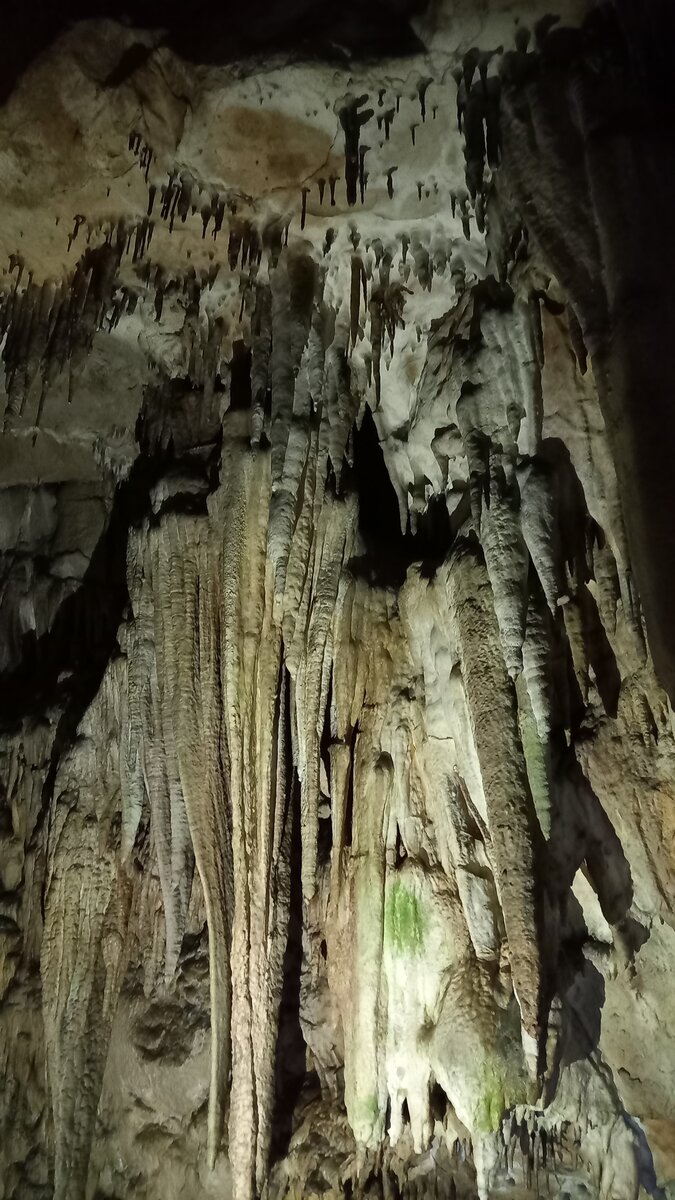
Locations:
column 337, row 755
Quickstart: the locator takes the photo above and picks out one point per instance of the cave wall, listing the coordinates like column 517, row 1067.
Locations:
column 336, row 821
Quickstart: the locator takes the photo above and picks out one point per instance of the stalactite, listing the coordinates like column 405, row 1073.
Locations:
column 540, row 529
column 507, row 562
column 312, row 675
column 261, row 345
column 148, row 762
column 502, row 765
column 357, row 283
column 82, row 958
column 422, row 89
column 250, row 716
column 364, row 1084
column 363, row 174
column 352, row 121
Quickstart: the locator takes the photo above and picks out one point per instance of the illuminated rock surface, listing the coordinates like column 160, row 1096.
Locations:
column 337, row 817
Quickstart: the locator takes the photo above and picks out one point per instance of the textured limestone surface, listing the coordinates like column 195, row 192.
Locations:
column 337, row 755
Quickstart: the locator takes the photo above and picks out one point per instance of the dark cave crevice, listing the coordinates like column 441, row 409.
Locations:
column 401, row 851
column 290, row 1064
column 438, row 1102
column 325, row 835
column 240, row 377
column 349, row 807
column 389, row 552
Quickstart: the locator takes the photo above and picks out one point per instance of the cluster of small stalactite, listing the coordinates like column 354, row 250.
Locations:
column 46, row 326
column 49, row 329
column 40, row 319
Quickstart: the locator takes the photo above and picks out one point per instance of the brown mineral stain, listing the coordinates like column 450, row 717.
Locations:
column 661, row 1135
column 664, row 802
column 262, row 150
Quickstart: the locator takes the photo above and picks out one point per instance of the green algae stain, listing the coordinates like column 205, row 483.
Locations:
column 491, row 1104
column 500, row 1091
column 403, row 920
column 367, row 1110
